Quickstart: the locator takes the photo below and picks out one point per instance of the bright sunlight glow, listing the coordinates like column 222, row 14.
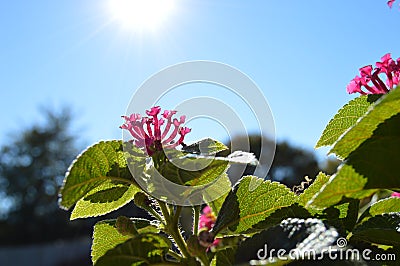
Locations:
column 139, row 15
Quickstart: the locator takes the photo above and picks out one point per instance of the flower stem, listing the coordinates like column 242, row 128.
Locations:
column 196, row 216
column 175, row 255
column 155, row 214
column 172, row 227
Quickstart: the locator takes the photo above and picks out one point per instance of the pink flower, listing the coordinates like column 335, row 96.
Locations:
column 207, row 219
column 390, row 3
column 148, row 134
column 206, row 223
column 396, row 194
column 371, row 78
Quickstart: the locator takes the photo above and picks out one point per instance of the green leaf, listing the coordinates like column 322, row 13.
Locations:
column 386, row 107
column 125, row 226
column 345, row 183
column 387, row 205
column 375, row 164
column 225, row 257
column 391, row 204
column 293, row 233
column 106, row 235
column 343, row 216
column 146, row 248
column 216, row 204
column 192, row 171
column 101, row 162
column 346, row 117
column 381, row 229
column 205, row 146
column 377, row 158
column 251, row 201
column 104, row 199
column 294, row 210
column 315, row 187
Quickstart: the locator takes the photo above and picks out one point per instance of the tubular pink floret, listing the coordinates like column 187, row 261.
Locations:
column 390, row 3
column 148, row 134
column 371, row 78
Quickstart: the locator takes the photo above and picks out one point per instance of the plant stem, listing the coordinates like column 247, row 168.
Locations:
column 164, row 210
column 204, row 260
column 196, row 215
column 175, row 255
column 177, row 236
column 155, row 214
column 171, row 221
column 177, row 214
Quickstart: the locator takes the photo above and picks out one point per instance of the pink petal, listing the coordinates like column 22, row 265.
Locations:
column 153, row 111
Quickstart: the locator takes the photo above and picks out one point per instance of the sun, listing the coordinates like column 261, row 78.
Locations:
column 139, row 15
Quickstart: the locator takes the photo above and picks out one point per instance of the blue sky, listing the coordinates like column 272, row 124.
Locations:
column 301, row 54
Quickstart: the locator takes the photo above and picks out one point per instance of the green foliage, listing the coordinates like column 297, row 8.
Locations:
column 146, row 248
column 205, row 146
column 106, row 235
column 383, row 109
column 103, row 199
column 316, row 186
column 176, row 172
column 346, row 183
column 385, row 206
column 370, row 148
column 381, row 229
column 302, row 234
column 256, row 213
column 100, row 163
column 251, row 201
column 346, row 117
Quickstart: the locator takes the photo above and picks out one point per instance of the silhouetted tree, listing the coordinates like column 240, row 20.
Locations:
column 290, row 164
column 32, row 168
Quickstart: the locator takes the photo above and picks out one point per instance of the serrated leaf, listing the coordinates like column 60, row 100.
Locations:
column 386, row 107
column 381, row 229
column 251, row 201
column 192, row 171
column 391, row 204
column 345, row 183
column 104, row 199
column 216, row 204
column 387, row 205
column 343, row 216
column 126, row 226
column 225, row 257
column 146, row 248
column 303, row 235
column 375, row 164
column 377, row 158
column 205, row 146
column 101, row 162
column 345, row 118
column 294, row 210
column 106, row 235
column 313, row 189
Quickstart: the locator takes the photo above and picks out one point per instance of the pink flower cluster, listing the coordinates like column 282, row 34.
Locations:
column 370, row 78
column 396, row 194
column 206, row 223
column 148, row 134
column 390, row 3
column 207, row 219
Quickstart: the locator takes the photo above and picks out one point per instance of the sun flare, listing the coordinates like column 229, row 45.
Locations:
column 141, row 15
